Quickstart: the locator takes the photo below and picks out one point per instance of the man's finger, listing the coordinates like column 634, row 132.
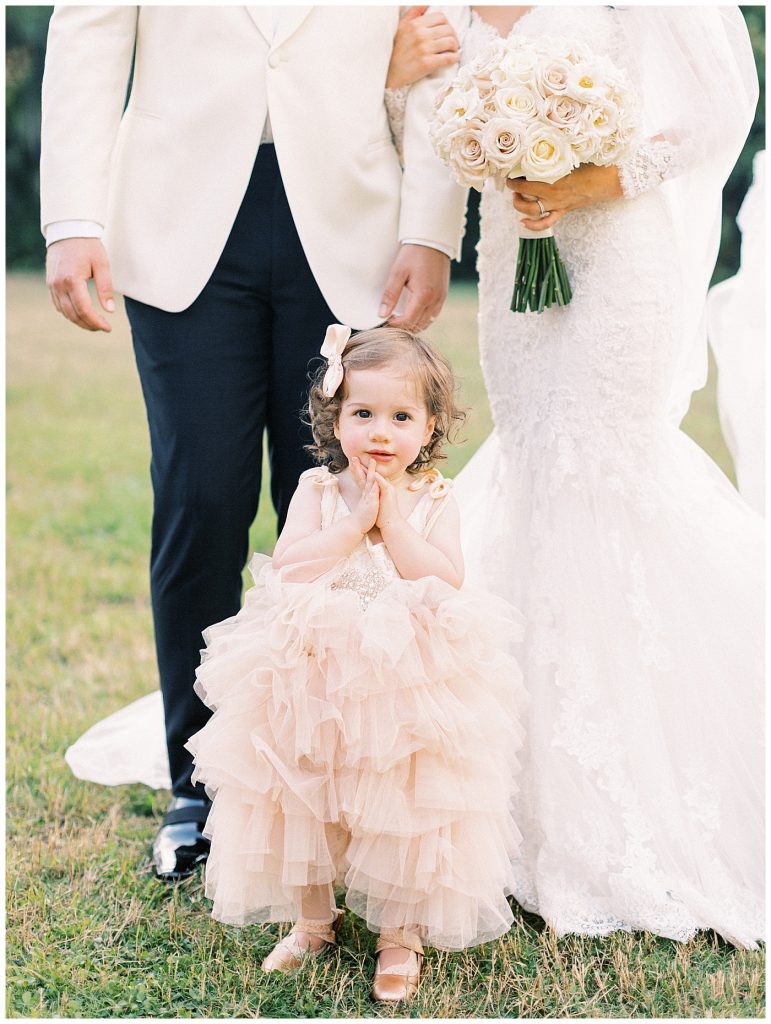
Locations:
column 55, row 299
column 103, row 285
column 421, row 298
column 414, row 317
column 70, row 313
column 81, row 300
column 393, row 289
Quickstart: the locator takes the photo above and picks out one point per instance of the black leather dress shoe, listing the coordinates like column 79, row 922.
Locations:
column 180, row 845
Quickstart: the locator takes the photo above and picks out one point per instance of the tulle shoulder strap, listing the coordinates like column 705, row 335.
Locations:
column 434, row 501
column 319, row 475
column 322, row 478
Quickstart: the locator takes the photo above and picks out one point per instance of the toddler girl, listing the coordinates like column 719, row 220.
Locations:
column 365, row 706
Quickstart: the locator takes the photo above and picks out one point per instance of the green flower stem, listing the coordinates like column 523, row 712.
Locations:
column 540, row 278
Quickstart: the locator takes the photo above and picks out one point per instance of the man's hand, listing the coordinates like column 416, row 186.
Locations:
column 425, row 273
column 70, row 264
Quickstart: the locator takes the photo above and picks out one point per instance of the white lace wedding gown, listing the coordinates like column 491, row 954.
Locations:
column 638, row 569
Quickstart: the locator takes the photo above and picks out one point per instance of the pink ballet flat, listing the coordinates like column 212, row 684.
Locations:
column 400, row 981
column 292, row 950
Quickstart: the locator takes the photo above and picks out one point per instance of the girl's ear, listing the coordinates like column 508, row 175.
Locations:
column 429, row 429
column 336, row 429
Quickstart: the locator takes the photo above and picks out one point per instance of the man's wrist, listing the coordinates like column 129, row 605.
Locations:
column 427, row 244
column 59, row 230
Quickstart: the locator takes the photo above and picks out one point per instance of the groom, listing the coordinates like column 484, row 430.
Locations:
column 248, row 195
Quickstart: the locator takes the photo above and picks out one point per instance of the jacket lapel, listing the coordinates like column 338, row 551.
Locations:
column 261, row 17
column 290, row 20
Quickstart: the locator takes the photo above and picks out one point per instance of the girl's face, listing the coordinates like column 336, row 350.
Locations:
column 383, row 418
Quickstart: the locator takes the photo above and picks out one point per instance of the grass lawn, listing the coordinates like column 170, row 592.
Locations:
column 90, row 932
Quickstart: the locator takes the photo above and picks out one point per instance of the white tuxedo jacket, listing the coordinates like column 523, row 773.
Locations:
column 167, row 176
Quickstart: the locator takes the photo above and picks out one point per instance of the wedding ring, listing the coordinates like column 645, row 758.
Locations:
column 542, row 208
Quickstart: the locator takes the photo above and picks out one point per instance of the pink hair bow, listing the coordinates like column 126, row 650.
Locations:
column 335, row 341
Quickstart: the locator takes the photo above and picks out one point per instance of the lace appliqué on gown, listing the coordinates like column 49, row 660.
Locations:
column 396, row 106
column 649, row 165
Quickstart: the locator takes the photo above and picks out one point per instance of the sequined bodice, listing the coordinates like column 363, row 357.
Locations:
column 369, row 568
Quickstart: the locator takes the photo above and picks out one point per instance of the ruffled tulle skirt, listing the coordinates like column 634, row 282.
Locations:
column 639, row 571
column 371, row 747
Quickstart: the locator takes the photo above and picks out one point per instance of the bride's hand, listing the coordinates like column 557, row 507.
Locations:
column 423, row 43
column 584, row 186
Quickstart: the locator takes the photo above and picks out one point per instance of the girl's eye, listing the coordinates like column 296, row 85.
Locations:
column 402, row 417
column 362, row 413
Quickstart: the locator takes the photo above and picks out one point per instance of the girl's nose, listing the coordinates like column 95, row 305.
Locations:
column 379, row 430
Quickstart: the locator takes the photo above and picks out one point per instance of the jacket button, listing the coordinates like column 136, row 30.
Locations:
column 274, row 60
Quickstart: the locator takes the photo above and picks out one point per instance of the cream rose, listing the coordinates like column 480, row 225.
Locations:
column 562, row 111
column 602, row 117
column 503, row 141
column 518, row 63
column 517, row 101
column 583, row 141
column 551, row 76
column 548, row 155
column 481, row 71
column 467, row 157
column 609, row 150
column 458, row 105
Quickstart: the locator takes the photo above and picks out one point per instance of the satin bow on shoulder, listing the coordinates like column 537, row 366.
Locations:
column 438, row 485
column 335, row 341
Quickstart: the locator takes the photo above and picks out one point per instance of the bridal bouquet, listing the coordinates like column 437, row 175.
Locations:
column 533, row 108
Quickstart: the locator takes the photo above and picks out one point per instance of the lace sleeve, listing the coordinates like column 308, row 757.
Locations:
column 396, row 103
column 651, row 163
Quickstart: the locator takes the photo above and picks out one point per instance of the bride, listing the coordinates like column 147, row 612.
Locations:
column 637, row 565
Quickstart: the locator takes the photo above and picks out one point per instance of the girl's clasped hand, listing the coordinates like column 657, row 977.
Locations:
column 378, row 503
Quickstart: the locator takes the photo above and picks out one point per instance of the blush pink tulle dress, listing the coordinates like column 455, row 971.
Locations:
column 364, row 733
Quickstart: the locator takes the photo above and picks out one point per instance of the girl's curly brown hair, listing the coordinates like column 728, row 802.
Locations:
column 369, row 350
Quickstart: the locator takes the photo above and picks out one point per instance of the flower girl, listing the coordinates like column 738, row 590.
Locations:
column 365, row 707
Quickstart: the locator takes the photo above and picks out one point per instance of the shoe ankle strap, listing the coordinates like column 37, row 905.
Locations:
column 326, row 930
column 396, row 938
